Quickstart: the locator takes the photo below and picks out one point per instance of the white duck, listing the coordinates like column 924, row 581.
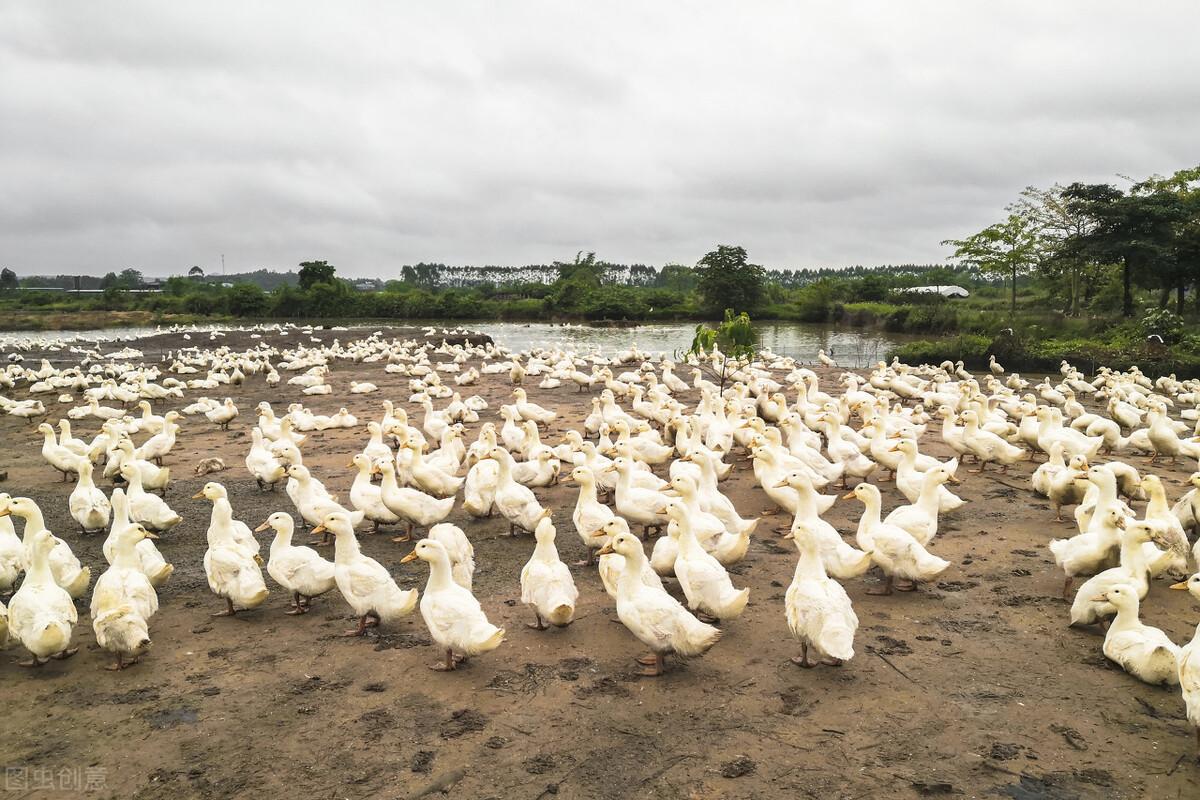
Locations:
column 365, row 584
column 819, row 612
column 920, row 519
column 458, row 548
column 454, row 617
column 516, row 503
column 63, row 564
column 653, row 616
column 1143, row 651
column 298, row 569
column 366, row 497
column 590, row 515
column 124, row 600
column 1133, row 570
column 87, row 504
column 151, row 561
column 705, row 583
column 222, row 517
column 262, row 463
column 892, row 548
column 546, row 583
column 611, row 565
column 12, row 552
column 414, row 507
column 148, row 509
column 41, row 615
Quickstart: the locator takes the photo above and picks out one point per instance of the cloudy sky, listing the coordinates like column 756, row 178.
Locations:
column 159, row 135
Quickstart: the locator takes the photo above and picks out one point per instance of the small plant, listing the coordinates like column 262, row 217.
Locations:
column 1165, row 324
column 723, row 350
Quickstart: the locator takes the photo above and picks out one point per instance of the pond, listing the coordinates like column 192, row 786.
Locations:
column 850, row 347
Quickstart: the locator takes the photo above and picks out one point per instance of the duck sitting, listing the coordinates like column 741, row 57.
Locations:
column 1143, row 651
column 365, row 584
column 298, row 569
column 1189, row 666
column 819, row 612
column 705, row 583
column 124, row 600
column 892, row 548
column 454, row 617
column 546, row 583
column 41, row 615
column 528, row 410
column 653, row 616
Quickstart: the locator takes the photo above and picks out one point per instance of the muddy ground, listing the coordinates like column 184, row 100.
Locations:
column 974, row 687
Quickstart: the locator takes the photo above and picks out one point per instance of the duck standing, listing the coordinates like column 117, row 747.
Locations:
column 298, row 569
column 41, row 614
column 546, row 582
column 819, row 612
column 454, row 617
column 365, row 584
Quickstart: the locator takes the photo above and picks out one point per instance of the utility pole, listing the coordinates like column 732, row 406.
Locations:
column 222, row 265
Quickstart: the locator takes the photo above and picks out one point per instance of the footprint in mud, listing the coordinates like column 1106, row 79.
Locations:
column 463, row 721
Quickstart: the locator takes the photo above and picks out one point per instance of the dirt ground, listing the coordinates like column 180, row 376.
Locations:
column 974, row 687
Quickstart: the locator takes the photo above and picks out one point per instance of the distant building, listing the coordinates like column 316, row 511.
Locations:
column 944, row 291
column 366, row 285
column 195, row 272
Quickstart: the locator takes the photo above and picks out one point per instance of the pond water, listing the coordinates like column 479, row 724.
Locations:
column 850, row 347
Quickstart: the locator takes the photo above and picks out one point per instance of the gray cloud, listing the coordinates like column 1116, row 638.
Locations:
column 160, row 135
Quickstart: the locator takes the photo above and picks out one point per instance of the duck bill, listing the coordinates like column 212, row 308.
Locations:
column 319, row 529
column 606, row 550
column 198, row 496
column 848, row 496
column 151, row 535
column 1182, row 586
column 953, row 479
column 262, row 527
column 410, row 557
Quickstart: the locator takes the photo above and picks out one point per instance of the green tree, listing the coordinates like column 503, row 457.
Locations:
column 130, row 279
column 8, row 279
column 728, row 280
column 1135, row 229
column 1009, row 248
column 1060, row 225
column 316, row 272
column 247, row 300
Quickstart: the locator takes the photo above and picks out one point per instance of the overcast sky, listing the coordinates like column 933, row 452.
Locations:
column 158, row 135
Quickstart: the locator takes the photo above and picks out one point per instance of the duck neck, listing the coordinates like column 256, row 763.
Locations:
column 440, row 574
column 345, row 547
column 809, row 566
column 34, row 521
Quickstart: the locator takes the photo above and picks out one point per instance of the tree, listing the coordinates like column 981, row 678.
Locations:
column 728, row 281
column 247, row 300
column 736, row 336
column 8, row 279
column 316, row 272
column 1135, row 229
column 1008, row 248
column 1060, row 226
column 130, row 279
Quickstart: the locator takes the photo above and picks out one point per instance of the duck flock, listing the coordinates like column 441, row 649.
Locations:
column 648, row 462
